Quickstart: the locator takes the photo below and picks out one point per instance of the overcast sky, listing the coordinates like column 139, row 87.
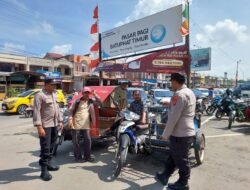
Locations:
column 62, row 26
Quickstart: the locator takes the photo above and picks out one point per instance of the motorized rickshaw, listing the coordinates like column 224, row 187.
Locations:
column 105, row 116
column 157, row 125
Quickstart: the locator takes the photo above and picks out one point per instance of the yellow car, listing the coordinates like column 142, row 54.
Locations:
column 21, row 102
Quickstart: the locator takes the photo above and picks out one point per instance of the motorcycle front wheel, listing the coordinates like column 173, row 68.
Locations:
column 210, row 110
column 121, row 155
column 219, row 114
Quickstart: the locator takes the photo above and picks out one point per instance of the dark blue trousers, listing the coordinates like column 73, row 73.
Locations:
column 47, row 143
column 179, row 158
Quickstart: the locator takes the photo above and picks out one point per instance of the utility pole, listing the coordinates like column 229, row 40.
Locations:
column 237, row 72
column 187, row 42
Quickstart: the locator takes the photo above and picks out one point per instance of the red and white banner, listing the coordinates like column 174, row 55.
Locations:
column 95, row 47
column 96, row 13
column 94, row 28
column 94, row 50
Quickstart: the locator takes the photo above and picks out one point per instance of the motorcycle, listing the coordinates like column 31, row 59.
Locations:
column 225, row 107
column 200, row 105
column 214, row 105
column 63, row 134
column 241, row 113
column 130, row 138
column 28, row 112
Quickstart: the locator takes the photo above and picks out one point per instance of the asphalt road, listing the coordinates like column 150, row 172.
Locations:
column 226, row 166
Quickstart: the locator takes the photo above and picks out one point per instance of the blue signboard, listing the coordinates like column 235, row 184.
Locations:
column 150, row 81
column 50, row 74
column 201, row 59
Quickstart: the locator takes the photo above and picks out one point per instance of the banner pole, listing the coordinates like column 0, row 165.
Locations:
column 187, row 42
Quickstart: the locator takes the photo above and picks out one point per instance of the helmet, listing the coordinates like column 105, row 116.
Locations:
column 229, row 92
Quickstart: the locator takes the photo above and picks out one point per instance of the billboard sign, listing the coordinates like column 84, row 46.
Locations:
column 154, row 31
column 201, row 59
column 175, row 59
column 50, row 74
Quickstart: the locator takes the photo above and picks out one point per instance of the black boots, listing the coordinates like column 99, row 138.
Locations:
column 178, row 186
column 52, row 167
column 161, row 177
column 45, row 175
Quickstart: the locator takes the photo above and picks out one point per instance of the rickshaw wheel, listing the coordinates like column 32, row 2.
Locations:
column 199, row 149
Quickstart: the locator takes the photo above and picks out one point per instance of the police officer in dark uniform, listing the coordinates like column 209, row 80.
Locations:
column 180, row 132
column 47, row 118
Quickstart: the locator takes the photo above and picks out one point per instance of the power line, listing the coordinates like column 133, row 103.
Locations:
column 7, row 4
column 27, row 15
column 5, row 49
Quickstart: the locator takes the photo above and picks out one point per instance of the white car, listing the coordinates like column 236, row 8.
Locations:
column 204, row 91
column 161, row 95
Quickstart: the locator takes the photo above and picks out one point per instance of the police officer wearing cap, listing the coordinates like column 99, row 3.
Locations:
column 180, row 132
column 47, row 118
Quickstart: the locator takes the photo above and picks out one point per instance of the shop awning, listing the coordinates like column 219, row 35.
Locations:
column 102, row 91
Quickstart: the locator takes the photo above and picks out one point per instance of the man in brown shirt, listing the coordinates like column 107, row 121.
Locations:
column 121, row 95
column 82, row 114
column 46, row 119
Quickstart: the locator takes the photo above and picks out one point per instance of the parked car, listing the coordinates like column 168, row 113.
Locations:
column 161, row 95
column 204, row 91
column 198, row 93
column 20, row 103
column 142, row 93
column 218, row 92
column 242, row 87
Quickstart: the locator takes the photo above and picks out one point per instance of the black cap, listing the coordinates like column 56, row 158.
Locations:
column 50, row 81
column 178, row 77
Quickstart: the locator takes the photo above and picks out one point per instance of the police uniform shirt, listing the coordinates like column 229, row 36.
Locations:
column 46, row 110
column 181, row 114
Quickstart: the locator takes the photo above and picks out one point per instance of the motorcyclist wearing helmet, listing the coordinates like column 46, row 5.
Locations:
column 229, row 93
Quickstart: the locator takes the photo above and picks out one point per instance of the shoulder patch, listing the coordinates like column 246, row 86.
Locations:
column 174, row 100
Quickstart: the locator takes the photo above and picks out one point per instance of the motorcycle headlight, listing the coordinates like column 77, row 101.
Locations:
column 128, row 117
column 121, row 114
column 132, row 116
column 135, row 116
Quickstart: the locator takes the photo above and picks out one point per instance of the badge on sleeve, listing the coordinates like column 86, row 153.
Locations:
column 175, row 100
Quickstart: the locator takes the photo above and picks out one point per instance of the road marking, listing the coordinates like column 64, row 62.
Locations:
column 225, row 135
column 207, row 120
